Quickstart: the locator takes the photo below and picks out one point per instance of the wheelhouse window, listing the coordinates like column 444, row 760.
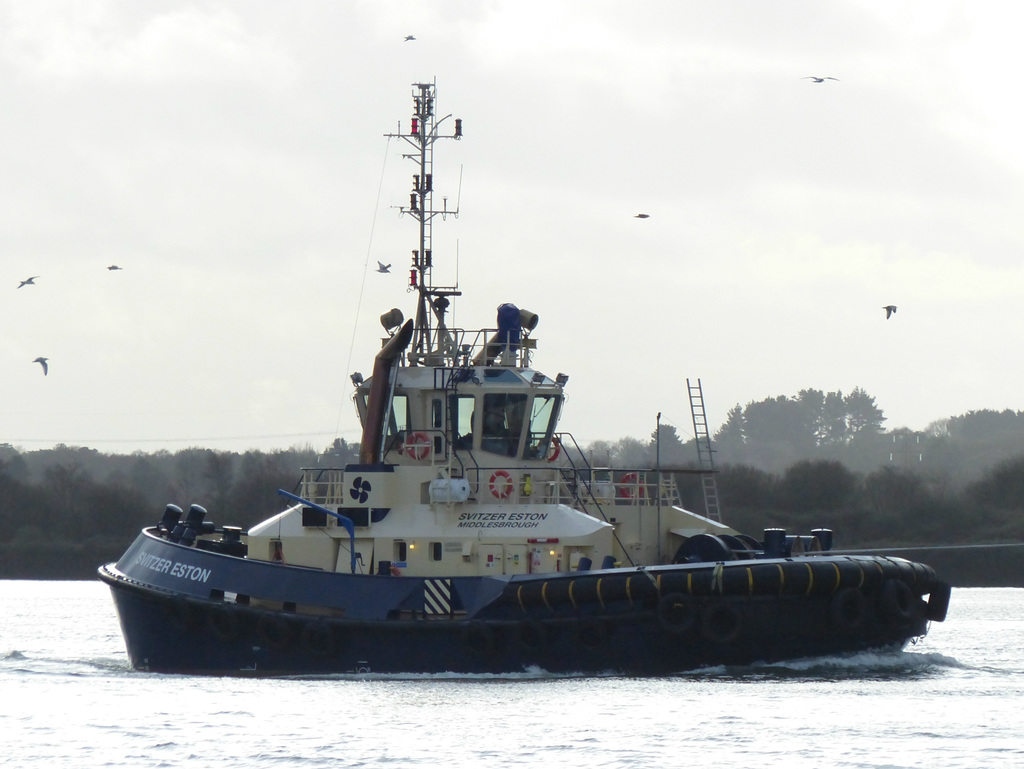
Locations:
column 462, row 412
column 398, row 420
column 543, row 418
column 504, row 414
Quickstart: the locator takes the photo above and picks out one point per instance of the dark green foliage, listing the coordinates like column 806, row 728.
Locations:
column 64, row 511
column 816, row 486
column 1003, row 487
column 777, row 432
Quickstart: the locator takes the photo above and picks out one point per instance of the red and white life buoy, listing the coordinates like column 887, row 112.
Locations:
column 554, row 449
column 627, row 487
column 501, row 484
column 417, row 446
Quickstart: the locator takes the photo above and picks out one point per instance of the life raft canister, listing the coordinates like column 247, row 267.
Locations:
column 417, row 446
column 501, row 484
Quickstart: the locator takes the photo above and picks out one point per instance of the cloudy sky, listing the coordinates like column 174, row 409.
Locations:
column 229, row 156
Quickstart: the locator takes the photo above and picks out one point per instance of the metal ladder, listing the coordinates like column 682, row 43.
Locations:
column 705, row 454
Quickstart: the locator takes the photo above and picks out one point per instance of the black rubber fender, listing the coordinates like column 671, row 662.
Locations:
column 318, row 638
column 275, row 632
column 592, row 633
column 768, row 578
column 674, row 581
column 479, row 638
column 184, row 614
column 827, row 576
column 938, row 602
column 874, row 575
column 641, row 589
column 849, row 609
column 677, row 613
column 720, row 622
column 584, row 590
column 851, row 573
column 896, row 601
column 225, row 622
column 533, row 635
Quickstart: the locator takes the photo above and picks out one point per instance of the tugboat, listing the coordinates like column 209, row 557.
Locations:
column 473, row 536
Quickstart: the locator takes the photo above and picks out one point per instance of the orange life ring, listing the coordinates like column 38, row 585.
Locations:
column 417, row 446
column 501, row 484
column 627, row 486
column 554, row 450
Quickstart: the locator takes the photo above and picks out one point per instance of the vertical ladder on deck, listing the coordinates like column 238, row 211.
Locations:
column 705, row 454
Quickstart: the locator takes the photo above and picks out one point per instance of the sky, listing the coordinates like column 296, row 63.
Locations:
column 230, row 158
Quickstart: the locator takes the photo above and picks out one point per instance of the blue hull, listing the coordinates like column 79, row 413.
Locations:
column 185, row 610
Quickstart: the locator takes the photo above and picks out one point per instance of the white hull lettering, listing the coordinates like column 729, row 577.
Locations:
column 498, row 525
column 174, row 568
column 501, row 520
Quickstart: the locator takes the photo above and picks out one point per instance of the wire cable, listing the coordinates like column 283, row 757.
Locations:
column 362, row 285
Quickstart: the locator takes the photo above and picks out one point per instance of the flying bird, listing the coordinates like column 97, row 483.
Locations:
column 408, row 38
column 381, row 267
column 889, row 310
column 114, row 267
column 42, row 362
column 817, row 79
column 642, row 216
column 28, row 281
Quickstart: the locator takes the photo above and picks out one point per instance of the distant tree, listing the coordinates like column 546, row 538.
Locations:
column 984, row 424
column 671, row 450
column 342, row 452
column 67, row 511
column 746, row 487
column 254, row 494
column 13, row 465
column 188, row 482
column 815, row 486
column 863, row 415
column 629, row 452
column 889, row 489
column 833, row 429
column 118, row 511
column 599, row 454
column 218, row 476
column 733, row 433
column 17, row 503
column 145, row 476
column 780, row 420
column 1003, row 486
column 812, row 402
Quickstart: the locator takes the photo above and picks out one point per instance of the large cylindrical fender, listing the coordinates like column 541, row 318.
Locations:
column 938, row 602
column 677, row 613
column 721, row 622
column 849, row 609
column 896, row 601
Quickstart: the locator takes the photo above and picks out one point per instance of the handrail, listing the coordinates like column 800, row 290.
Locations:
column 343, row 520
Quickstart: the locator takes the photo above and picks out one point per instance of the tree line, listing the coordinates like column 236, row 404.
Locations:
column 67, row 509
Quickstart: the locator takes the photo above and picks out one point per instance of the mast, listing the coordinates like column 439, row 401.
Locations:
column 431, row 342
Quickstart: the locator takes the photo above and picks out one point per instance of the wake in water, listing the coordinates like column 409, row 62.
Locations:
column 26, row 663
column 868, row 665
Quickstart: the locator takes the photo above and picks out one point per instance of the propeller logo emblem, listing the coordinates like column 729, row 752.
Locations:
column 360, row 490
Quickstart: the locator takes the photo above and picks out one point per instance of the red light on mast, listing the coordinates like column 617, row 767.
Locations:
column 412, row 278
column 415, row 125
